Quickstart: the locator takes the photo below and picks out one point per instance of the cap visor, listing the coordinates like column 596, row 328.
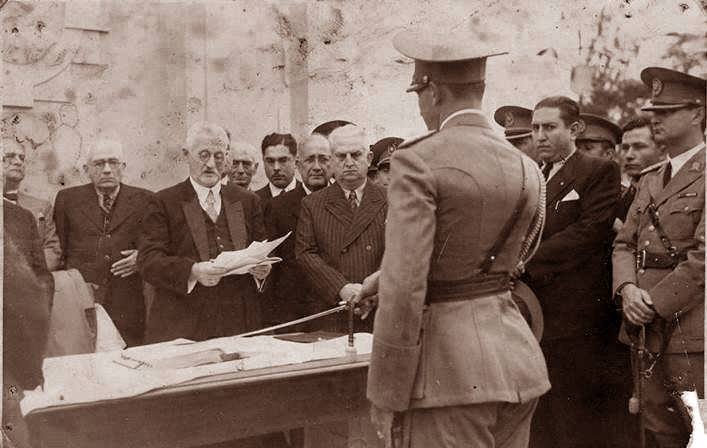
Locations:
column 651, row 107
column 519, row 136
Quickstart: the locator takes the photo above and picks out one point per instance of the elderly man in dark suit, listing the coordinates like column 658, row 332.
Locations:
column 99, row 226
column 187, row 225
column 568, row 275
column 340, row 233
column 290, row 297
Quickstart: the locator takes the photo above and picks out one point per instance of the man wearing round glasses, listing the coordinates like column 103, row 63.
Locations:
column 98, row 226
column 185, row 227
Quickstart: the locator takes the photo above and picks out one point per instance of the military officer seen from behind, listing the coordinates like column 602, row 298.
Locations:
column 518, row 130
column 658, row 257
column 451, row 352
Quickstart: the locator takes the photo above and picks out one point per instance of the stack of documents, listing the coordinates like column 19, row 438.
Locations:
column 239, row 262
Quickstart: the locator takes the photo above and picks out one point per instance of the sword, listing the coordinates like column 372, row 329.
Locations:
column 301, row 320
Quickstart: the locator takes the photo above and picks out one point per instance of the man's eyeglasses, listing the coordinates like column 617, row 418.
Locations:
column 321, row 158
column 205, row 156
column 113, row 163
column 9, row 156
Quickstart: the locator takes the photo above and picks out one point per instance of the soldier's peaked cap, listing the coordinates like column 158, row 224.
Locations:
column 451, row 58
column 671, row 89
column 516, row 120
column 598, row 128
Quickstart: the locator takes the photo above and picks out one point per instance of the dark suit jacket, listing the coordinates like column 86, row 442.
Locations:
column 568, row 272
column 289, row 295
column 92, row 248
column 27, row 299
column 336, row 246
column 174, row 238
column 265, row 195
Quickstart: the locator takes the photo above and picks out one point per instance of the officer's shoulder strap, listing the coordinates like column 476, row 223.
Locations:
column 653, row 167
column 412, row 141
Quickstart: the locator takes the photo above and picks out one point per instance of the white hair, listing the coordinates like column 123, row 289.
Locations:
column 348, row 134
column 310, row 140
column 106, row 144
column 245, row 147
column 202, row 130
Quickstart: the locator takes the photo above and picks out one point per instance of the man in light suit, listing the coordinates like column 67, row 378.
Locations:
column 568, row 274
column 187, row 225
column 99, row 226
column 340, row 232
column 14, row 165
column 659, row 256
column 451, row 351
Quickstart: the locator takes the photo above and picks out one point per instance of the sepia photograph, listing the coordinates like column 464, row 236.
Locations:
column 353, row 223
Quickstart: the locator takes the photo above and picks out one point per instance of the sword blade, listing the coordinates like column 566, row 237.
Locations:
column 301, row 320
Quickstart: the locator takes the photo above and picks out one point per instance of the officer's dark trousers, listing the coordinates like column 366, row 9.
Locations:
column 665, row 417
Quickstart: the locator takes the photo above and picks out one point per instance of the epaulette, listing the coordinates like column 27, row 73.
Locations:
column 653, row 167
column 412, row 141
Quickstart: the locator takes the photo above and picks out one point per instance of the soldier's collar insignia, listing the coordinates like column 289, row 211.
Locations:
column 657, row 87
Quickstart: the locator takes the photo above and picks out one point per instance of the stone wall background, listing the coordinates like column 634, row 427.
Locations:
column 143, row 72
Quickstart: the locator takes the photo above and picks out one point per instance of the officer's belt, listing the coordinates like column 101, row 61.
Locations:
column 468, row 289
column 648, row 260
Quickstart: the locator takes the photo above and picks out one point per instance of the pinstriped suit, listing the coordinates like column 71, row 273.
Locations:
column 336, row 246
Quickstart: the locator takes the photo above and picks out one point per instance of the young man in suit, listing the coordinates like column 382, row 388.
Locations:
column 99, row 226
column 568, row 274
column 340, row 232
column 187, row 225
column 279, row 152
column 14, row 165
column 659, row 256
column 290, row 296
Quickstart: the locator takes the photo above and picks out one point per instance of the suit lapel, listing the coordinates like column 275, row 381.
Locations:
column 562, row 180
column 122, row 208
column 689, row 173
column 236, row 219
column 336, row 205
column 90, row 207
column 372, row 202
column 195, row 220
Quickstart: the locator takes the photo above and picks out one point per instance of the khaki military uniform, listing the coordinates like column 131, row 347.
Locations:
column 640, row 257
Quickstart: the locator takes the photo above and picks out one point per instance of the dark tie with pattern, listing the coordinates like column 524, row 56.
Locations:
column 352, row 200
column 667, row 174
column 546, row 169
column 107, row 203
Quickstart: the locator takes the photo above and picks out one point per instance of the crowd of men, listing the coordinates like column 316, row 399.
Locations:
column 604, row 224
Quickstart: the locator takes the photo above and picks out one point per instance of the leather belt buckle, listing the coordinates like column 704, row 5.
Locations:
column 641, row 259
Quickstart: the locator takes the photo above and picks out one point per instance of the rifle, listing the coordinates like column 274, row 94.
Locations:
column 640, row 373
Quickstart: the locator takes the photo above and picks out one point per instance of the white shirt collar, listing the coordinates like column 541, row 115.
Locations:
column 307, row 191
column 358, row 191
column 113, row 194
column 680, row 160
column 460, row 112
column 275, row 191
column 556, row 166
column 202, row 192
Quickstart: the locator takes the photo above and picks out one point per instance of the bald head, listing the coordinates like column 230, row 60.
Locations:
column 351, row 156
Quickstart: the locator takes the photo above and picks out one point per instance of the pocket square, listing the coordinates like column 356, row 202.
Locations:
column 571, row 196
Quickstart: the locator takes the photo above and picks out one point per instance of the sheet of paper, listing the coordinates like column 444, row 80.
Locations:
column 239, row 261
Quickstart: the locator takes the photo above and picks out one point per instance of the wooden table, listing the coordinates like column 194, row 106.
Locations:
column 327, row 398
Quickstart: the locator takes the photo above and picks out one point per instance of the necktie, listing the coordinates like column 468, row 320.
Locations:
column 352, row 200
column 546, row 169
column 107, row 203
column 11, row 196
column 667, row 174
column 211, row 206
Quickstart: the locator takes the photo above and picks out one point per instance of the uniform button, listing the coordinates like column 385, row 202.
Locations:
column 687, row 209
column 651, row 228
column 641, row 271
column 108, row 236
column 369, row 247
column 647, row 243
column 218, row 237
column 344, row 250
column 106, row 257
column 220, row 246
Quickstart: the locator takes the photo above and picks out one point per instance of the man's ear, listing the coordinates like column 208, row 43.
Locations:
column 576, row 128
column 698, row 115
column 369, row 157
column 436, row 92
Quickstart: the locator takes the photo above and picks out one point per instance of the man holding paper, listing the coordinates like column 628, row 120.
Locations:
column 186, row 227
